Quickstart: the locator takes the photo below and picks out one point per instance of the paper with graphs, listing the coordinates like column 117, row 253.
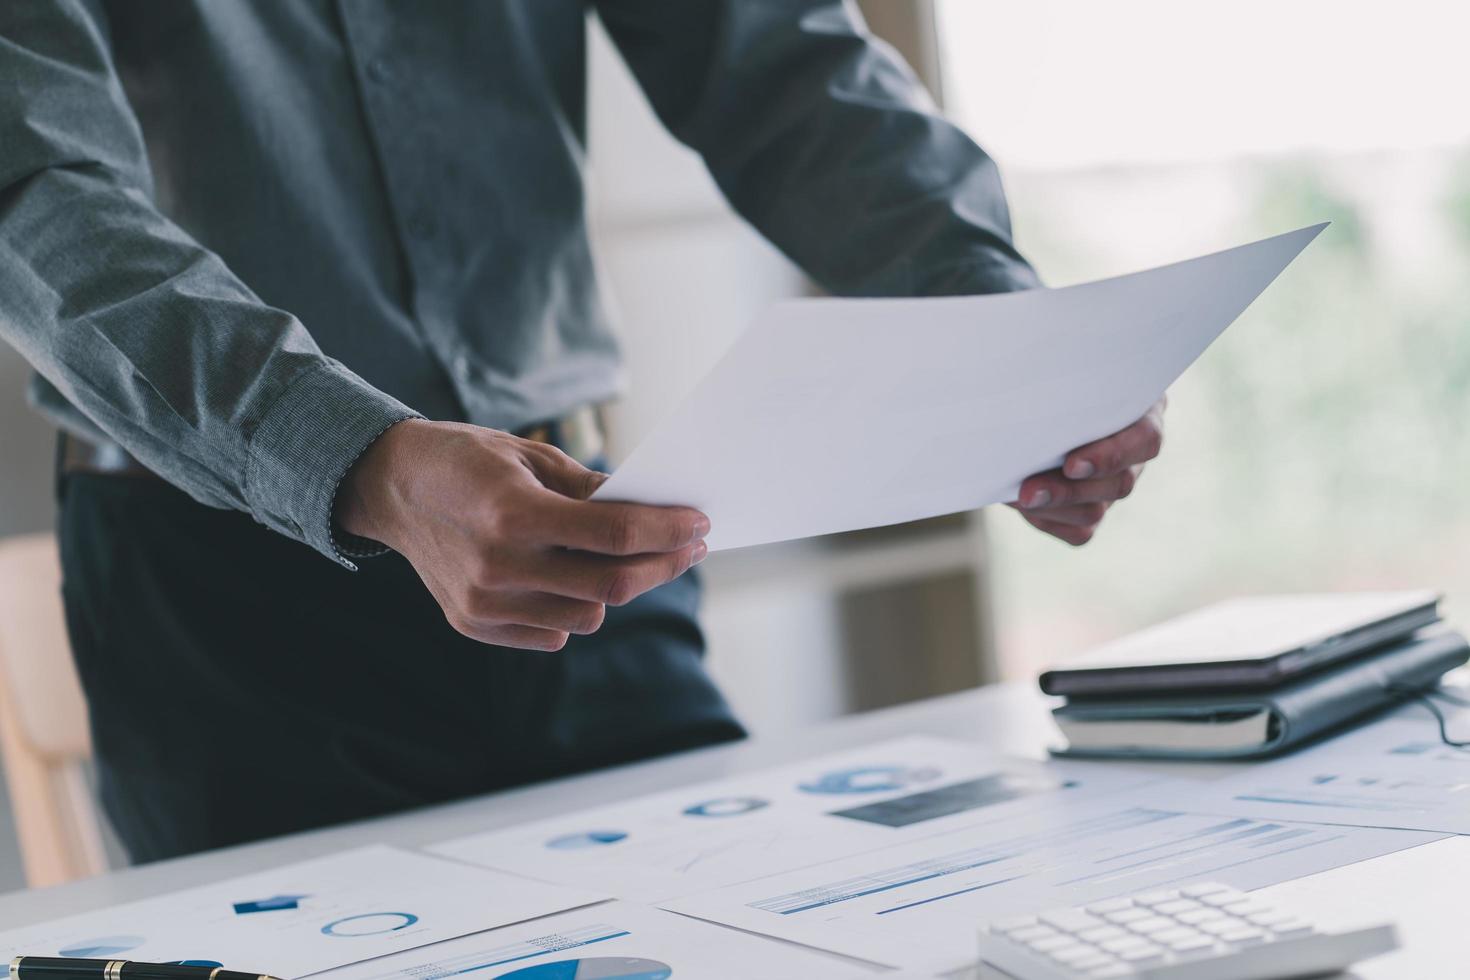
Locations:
column 302, row 918
column 831, row 415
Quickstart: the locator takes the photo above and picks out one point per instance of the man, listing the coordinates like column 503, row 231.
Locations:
column 310, row 265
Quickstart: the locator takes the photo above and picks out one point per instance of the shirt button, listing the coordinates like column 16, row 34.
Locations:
column 378, row 70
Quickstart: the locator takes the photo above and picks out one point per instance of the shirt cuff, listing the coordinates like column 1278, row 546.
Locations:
column 305, row 444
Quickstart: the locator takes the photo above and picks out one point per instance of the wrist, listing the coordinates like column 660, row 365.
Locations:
column 371, row 494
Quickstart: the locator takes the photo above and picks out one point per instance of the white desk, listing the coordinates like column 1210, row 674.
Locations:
column 1422, row 889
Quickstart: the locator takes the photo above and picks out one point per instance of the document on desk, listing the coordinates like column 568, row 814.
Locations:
column 302, row 918
column 616, row 939
column 831, row 415
column 1393, row 773
column 716, row 833
column 917, row 905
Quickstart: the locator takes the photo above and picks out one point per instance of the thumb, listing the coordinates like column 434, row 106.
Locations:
column 559, row 472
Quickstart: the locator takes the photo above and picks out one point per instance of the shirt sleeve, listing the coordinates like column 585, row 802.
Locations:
column 822, row 138
column 144, row 331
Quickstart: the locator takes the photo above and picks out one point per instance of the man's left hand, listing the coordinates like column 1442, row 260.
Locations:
column 1070, row 502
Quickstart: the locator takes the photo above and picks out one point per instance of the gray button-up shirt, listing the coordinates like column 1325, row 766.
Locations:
column 243, row 238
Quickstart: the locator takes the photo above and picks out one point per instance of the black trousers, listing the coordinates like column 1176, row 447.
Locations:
column 242, row 686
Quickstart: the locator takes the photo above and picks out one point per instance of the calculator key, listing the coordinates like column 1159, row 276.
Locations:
column 1220, row 926
column 1197, row 916
column 1245, row 908
column 1013, row 923
column 1100, row 933
column 1125, row 943
column 1142, row 957
column 1155, row 924
column 1029, row 933
column 1177, row 906
column 1292, row 927
column 1128, row 915
column 1193, row 947
column 1155, row 898
column 1070, row 920
column 1111, row 905
column 1204, row 888
column 1227, row 897
column 1071, row 954
column 1269, row 918
column 1093, row 961
column 1050, row 943
column 1170, row 936
column 1244, row 936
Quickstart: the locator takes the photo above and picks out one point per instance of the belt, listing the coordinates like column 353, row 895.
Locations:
column 578, row 434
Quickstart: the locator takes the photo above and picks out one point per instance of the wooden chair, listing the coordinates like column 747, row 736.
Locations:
column 44, row 738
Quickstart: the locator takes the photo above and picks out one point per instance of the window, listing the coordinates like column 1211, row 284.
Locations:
column 1322, row 443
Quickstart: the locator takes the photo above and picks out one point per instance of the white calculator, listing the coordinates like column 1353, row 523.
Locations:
column 1199, row 932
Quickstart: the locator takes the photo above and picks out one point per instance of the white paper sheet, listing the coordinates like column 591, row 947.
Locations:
column 704, row 836
column 917, row 905
column 830, row 415
column 1394, row 773
column 617, row 939
column 302, row 918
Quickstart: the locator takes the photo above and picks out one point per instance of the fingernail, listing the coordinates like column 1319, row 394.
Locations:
column 701, row 526
column 1038, row 499
column 700, row 550
column 1080, row 469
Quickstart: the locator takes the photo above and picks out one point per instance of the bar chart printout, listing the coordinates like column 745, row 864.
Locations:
column 916, row 905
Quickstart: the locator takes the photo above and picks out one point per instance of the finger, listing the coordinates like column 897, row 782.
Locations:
column 610, row 581
column 1075, row 515
column 539, row 609
column 1138, row 443
column 1075, row 536
column 558, row 471
column 519, row 637
column 1052, row 489
column 616, row 528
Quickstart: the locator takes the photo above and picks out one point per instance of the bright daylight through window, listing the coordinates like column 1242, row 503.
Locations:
column 1321, row 444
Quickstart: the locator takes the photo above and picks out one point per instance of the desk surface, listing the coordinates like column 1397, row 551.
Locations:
column 1420, row 889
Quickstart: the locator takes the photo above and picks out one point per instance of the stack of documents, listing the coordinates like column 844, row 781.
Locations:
column 1253, row 677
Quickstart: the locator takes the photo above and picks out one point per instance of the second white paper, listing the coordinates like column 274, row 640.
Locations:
column 831, row 415
column 704, row 836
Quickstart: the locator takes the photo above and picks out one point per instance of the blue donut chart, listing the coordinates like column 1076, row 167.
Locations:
column 726, row 806
column 369, row 924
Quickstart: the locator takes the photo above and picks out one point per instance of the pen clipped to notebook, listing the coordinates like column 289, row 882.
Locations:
column 68, row 968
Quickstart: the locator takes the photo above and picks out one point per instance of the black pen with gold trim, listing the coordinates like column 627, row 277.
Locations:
column 66, row 968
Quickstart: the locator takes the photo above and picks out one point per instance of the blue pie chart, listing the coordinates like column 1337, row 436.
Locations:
column 726, row 806
column 597, row 968
column 586, row 839
column 102, row 946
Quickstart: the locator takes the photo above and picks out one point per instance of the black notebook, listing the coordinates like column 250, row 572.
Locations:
column 1245, row 644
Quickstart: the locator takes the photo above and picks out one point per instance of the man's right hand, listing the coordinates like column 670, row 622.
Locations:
column 501, row 531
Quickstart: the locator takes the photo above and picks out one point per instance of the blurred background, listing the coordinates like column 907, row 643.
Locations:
column 1318, row 445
